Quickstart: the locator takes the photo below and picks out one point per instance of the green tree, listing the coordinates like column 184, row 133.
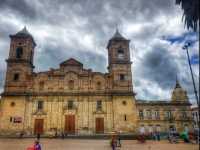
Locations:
column 190, row 13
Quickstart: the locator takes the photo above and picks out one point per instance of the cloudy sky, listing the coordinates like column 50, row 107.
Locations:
column 82, row 28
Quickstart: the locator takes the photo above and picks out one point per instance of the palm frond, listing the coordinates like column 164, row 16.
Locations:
column 190, row 13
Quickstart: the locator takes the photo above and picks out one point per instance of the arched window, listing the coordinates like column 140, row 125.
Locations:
column 98, row 85
column 19, row 52
column 125, row 118
column 168, row 114
column 121, row 77
column 40, row 105
column 149, row 114
column 141, row 114
column 157, row 115
column 120, row 53
column 71, row 84
column 16, row 77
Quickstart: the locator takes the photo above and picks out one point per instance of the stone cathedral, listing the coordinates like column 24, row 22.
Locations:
column 75, row 100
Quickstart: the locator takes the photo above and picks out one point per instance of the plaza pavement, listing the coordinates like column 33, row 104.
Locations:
column 76, row 144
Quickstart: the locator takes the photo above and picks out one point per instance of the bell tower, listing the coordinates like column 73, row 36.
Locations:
column 123, row 96
column 119, row 64
column 20, row 61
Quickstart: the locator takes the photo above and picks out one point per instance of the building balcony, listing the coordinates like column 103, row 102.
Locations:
column 149, row 118
column 141, row 118
column 156, row 118
column 170, row 119
column 184, row 119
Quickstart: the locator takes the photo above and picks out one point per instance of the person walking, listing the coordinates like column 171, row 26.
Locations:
column 21, row 134
column 113, row 143
column 56, row 134
column 171, row 136
column 185, row 137
column 158, row 135
column 37, row 145
column 141, row 137
column 119, row 141
column 63, row 135
column 154, row 135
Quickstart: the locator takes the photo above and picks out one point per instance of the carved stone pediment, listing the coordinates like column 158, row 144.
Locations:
column 39, row 112
column 69, row 111
column 71, row 62
column 99, row 112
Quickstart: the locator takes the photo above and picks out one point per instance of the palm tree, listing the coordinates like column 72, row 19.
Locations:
column 191, row 13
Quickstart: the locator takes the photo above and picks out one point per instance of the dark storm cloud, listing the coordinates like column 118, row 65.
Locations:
column 21, row 7
column 97, row 13
column 154, row 96
column 52, row 56
column 159, row 67
column 6, row 29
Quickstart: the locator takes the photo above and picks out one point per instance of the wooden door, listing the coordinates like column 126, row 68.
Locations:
column 39, row 123
column 99, row 125
column 70, row 124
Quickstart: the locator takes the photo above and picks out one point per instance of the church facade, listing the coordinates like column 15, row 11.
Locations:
column 75, row 100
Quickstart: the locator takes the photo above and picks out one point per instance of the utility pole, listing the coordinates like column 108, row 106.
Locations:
column 185, row 47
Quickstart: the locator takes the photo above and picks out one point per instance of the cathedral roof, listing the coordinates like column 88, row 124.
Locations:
column 71, row 62
column 24, row 33
column 118, row 36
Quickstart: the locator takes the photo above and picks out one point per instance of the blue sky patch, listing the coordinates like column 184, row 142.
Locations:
column 184, row 37
column 194, row 59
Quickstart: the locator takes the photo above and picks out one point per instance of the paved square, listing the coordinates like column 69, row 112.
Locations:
column 75, row 144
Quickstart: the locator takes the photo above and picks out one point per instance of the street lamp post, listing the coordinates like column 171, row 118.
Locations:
column 185, row 47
